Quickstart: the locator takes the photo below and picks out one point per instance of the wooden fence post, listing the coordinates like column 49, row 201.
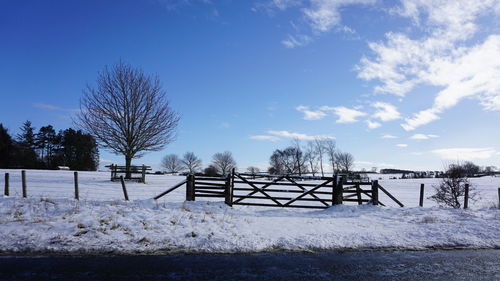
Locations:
column 77, row 194
column 338, row 191
column 375, row 192
column 112, row 171
column 227, row 189
column 125, row 194
column 421, row 201
column 358, row 194
column 23, row 180
column 499, row 197
column 466, row 197
column 143, row 173
column 190, row 195
column 6, row 189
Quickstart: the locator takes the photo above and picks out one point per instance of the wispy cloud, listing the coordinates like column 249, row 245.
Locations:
column 401, row 145
column 292, row 135
column 323, row 15
column 387, row 136
column 51, row 107
column 311, row 114
column 320, row 16
column 465, row 153
column 265, row 138
column 299, row 40
column 278, row 135
column 344, row 114
column 373, row 124
column 423, row 137
column 442, row 57
column 385, row 111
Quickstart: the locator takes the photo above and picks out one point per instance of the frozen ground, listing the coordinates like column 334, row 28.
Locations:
column 49, row 220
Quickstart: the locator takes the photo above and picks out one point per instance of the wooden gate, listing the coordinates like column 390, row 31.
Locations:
column 286, row 191
column 282, row 190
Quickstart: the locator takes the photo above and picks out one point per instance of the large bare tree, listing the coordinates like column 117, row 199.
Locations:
column 191, row 162
column 127, row 112
column 223, row 162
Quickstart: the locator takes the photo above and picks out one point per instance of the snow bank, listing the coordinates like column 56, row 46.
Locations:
column 146, row 226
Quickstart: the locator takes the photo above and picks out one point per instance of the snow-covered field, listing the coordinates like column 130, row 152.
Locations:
column 97, row 186
column 49, row 220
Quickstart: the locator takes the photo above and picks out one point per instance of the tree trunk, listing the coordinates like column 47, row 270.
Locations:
column 128, row 174
column 321, row 165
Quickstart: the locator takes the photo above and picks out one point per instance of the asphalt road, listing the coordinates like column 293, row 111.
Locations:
column 350, row 265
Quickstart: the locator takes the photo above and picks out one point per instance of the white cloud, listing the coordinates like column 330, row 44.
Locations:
column 345, row 115
column 265, row 138
column 441, row 58
column 373, row 124
column 385, row 111
column 387, row 136
column 465, row 153
column 421, row 118
column 423, row 137
column 311, row 114
column 277, row 135
column 292, row 135
column 401, row 145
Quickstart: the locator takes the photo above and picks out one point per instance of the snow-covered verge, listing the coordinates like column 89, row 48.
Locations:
column 42, row 225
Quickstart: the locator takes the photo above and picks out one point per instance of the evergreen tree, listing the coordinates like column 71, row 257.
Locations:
column 80, row 150
column 5, row 147
column 26, row 156
column 46, row 141
column 27, row 135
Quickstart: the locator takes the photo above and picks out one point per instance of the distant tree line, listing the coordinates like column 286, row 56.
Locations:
column 311, row 159
column 48, row 149
column 222, row 164
column 468, row 168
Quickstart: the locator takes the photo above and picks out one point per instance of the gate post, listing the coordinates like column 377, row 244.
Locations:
column 143, row 176
column 228, row 191
column 338, row 190
column 190, row 188
column 375, row 192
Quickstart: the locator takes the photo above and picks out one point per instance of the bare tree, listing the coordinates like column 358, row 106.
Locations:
column 191, row 162
column 299, row 157
column 127, row 112
column 311, row 156
column 452, row 187
column 287, row 161
column 253, row 171
column 320, row 151
column 223, row 162
column 330, row 150
column 345, row 161
column 172, row 163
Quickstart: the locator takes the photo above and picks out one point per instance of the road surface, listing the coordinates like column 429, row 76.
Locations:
column 349, row 265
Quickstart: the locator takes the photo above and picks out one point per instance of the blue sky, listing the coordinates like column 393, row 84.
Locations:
column 408, row 84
